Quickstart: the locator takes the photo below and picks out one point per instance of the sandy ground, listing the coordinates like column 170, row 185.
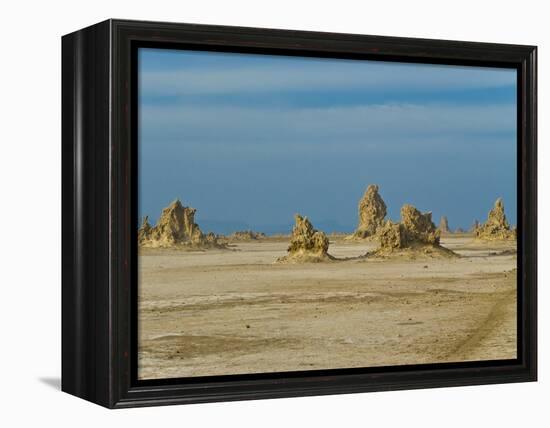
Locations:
column 227, row 312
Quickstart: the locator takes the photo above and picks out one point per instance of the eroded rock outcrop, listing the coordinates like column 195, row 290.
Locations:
column 372, row 211
column 444, row 226
column 144, row 230
column 496, row 227
column 414, row 235
column 246, row 235
column 306, row 243
column 175, row 227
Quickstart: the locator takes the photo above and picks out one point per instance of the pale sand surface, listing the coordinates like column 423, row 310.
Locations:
column 227, row 312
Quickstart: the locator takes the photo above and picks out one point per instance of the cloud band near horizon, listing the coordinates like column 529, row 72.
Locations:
column 211, row 124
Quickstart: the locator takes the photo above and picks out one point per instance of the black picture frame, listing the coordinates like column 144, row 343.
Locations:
column 99, row 213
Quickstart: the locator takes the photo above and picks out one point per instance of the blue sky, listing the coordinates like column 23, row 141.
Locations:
column 249, row 140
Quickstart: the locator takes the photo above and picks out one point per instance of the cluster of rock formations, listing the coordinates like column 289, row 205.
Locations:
column 496, row 227
column 306, row 243
column 175, row 227
column 246, row 235
column 416, row 233
column 444, row 228
column 372, row 212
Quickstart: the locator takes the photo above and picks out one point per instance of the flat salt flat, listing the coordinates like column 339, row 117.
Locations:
column 235, row 311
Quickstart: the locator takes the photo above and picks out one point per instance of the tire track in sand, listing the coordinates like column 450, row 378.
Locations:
column 493, row 325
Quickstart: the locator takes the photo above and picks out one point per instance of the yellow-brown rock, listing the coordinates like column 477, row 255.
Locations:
column 246, row 235
column 414, row 235
column 175, row 227
column 306, row 243
column 444, row 226
column 496, row 227
column 372, row 211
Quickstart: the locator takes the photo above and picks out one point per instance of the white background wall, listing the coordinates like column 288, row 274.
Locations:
column 30, row 200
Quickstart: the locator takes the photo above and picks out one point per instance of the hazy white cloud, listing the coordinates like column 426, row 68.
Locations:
column 429, row 147
column 318, row 76
column 387, row 123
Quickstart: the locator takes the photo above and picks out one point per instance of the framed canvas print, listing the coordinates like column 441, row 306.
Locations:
column 253, row 213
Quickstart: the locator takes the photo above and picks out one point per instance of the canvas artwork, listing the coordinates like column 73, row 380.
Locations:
column 302, row 214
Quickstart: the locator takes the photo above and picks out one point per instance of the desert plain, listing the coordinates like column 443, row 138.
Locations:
column 235, row 311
